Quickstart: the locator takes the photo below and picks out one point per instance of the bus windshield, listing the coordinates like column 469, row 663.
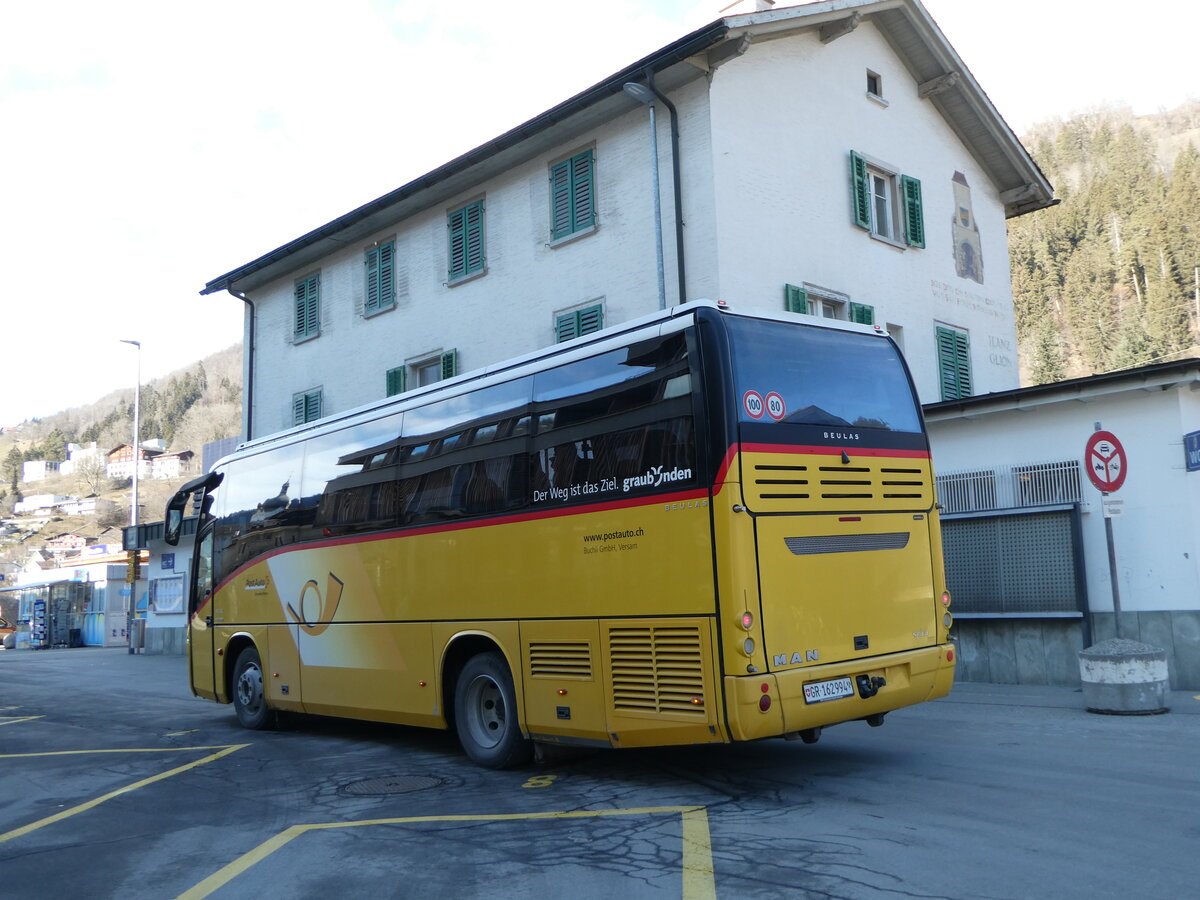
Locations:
column 805, row 375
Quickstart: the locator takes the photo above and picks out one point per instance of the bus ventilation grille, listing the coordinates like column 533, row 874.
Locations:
column 846, row 543
column 657, row 669
column 560, row 660
column 872, row 484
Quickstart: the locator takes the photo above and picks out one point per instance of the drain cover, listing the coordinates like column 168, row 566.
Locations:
column 392, row 784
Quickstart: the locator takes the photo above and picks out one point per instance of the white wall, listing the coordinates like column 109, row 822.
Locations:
column 1157, row 539
column 785, row 117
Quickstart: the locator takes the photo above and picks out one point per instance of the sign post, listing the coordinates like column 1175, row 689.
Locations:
column 1106, row 464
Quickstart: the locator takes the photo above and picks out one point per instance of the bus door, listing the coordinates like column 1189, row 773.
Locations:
column 201, row 662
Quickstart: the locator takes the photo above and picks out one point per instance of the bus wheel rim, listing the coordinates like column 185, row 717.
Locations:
column 250, row 687
column 485, row 711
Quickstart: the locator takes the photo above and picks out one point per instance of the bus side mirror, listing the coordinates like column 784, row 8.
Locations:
column 174, row 518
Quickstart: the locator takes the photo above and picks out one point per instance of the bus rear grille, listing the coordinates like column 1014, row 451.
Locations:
column 846, row 543
column 657, row 669
column 560, row 660
column 857, row 486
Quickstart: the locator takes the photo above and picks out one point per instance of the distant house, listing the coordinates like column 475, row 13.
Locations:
column 36, row 469
column 171, row 465
column 154, row 461
column 79, row 454
column 39, row 503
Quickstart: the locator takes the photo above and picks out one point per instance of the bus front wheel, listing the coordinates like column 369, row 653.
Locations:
column 249, row 699
column 485, row 713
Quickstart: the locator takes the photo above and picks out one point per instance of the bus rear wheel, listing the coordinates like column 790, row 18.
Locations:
column 485, row 713
column 249, row 698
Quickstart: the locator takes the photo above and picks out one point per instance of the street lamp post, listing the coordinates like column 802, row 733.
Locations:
column 643, row 94
column 133, row 506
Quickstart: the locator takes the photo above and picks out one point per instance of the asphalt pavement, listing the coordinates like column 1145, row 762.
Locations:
column 116, row 782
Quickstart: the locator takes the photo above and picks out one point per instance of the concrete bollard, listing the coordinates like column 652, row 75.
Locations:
column 1124, row 678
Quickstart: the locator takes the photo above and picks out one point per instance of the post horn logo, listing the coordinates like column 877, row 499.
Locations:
column 325, row 606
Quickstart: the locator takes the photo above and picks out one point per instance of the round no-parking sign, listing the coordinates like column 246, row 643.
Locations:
column 1105, row 461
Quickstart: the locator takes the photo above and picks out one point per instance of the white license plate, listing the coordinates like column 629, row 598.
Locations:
column 834, row 689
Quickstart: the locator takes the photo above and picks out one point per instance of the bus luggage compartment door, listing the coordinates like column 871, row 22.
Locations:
column 838, row 588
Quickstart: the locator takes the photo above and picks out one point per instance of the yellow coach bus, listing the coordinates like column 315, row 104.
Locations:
column 702, row 526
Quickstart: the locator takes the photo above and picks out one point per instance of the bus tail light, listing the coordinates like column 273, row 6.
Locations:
column 747, row 620
column 947, row 619
column 945, row 598
column 764, row 702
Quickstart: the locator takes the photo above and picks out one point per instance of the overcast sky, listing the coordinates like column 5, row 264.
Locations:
column 148, row 147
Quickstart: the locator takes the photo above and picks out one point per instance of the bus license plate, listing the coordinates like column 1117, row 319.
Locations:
column 834, row 689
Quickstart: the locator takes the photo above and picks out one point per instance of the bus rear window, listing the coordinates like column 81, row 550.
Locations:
column 806, row 375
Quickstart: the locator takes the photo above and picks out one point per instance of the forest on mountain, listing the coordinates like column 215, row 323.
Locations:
column 1109, row 279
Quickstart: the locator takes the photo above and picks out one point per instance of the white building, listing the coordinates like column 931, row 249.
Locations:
column 1024, row 524
column 836, row 158
column 36, row 469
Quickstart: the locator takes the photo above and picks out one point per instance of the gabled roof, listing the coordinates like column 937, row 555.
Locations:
column 940, row 74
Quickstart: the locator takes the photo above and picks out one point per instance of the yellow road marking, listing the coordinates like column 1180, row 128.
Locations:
column 13, row 720
column 698, row 881
column 121, row 750
column 83, row 807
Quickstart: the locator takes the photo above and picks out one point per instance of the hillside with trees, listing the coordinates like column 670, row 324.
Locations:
column 1110, row 278
column 186, row 409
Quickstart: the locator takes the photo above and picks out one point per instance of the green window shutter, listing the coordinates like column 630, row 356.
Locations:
column 381, row 263
column 954, row 363
column 395, row 381
column 308, row 318
column 572, row 186
column 306, row 407
column 466, row 240
column 862, row 191
column 862, row 314
column 795, row 299
column 581, row 321
column 449, row 364
column 590, row 319
column 914, row 217
column 566, row 327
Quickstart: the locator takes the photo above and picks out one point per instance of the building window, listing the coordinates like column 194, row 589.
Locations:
column 466, row 241
column 307, row 295
column 572, row 195
column 874, row 84
column 306, row 406
column 954, row 363
column 380, row 262
column 425, row 370
column 887, row 204
column 580, row 321
column 825, row 304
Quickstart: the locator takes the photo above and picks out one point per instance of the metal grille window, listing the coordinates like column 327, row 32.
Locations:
column 1045, row 483
column 967, row 491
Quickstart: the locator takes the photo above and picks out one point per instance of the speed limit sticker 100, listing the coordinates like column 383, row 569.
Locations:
column 752, row 402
